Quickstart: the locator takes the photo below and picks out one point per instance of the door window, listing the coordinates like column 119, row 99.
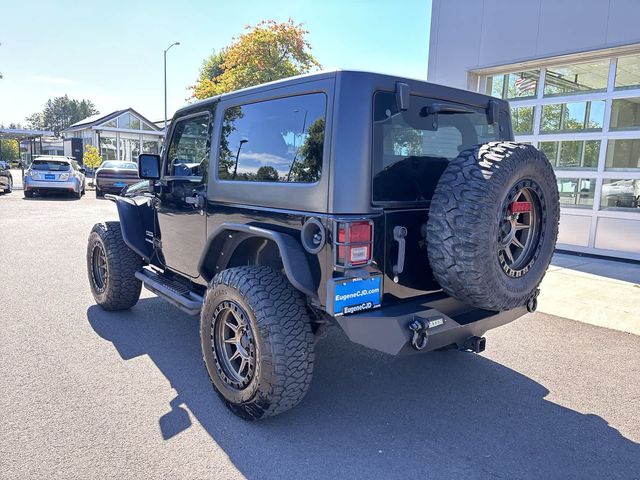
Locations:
column 189, row 148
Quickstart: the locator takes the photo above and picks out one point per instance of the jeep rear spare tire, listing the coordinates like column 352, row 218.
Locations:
column 493, row 225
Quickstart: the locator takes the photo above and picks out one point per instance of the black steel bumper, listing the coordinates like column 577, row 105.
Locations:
column 446, row 321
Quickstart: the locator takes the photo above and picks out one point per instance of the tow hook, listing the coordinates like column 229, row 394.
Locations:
column 420, row 335
column 532, row 303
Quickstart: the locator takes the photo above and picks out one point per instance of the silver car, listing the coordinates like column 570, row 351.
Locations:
column 50, row 173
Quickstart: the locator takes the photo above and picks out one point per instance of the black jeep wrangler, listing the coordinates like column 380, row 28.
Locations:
column 400, row 210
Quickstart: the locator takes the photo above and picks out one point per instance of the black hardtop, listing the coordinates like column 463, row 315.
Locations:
column 374, row 81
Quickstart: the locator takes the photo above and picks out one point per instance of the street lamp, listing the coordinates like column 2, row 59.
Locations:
column 165, row 83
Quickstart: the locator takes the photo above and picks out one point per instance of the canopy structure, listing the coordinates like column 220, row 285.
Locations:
column 22, row 135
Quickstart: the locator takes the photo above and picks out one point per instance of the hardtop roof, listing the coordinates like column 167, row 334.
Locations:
column 419, row 84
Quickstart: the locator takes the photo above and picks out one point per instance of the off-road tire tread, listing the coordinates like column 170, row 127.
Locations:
column 123, row 288
column 284, row 326
column 457, row 229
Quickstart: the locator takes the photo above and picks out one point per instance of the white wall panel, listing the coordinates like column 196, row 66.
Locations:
column 574, row 230
column 618, row 234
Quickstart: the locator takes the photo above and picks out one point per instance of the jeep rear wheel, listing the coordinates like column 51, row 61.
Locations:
column 257, row 342
column 493, row 225
column 111, row 266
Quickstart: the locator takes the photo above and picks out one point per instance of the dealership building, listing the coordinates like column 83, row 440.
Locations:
column 571, row 71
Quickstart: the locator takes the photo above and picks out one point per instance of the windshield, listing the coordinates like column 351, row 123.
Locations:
column 125, row 165
column 50, row 165
column 412, row 148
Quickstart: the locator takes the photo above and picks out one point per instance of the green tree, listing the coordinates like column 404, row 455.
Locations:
column 61, row 112
column 267, row 173
column 9, row 150
column 307, row 164
column 266, row 52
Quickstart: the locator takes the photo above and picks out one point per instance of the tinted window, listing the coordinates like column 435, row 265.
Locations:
column 412, row 148
column 189, row 147
column 274, row 141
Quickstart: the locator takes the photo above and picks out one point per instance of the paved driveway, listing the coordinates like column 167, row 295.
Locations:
column 91, row 394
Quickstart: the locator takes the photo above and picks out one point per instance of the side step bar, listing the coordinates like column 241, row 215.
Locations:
column 172, row 291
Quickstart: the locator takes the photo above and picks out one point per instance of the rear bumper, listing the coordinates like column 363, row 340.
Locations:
column 107, row 185
column 387, row 329
column 43, row 185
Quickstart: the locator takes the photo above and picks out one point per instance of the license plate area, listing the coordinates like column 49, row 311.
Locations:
column 49, row 176
column 119, row 184
column 353, row 295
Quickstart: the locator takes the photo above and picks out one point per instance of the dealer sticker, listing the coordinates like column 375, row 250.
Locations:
column 356, row 295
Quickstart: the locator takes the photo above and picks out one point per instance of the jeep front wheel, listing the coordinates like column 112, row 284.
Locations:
column 257, row 341
column 111, row 266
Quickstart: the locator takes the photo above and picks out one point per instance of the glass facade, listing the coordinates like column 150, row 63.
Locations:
column 576, row 192
column 573, row 116
column 515, row 85
column 117, row 138
column 577, row 78
column 585, row 117
column 625, row 114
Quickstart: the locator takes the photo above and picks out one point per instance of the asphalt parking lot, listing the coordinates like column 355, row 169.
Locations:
column 91, row 394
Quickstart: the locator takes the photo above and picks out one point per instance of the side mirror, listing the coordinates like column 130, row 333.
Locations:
column 149, row 166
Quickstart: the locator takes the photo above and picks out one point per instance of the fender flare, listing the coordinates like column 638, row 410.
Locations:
column 294, row 259
column 132, row 225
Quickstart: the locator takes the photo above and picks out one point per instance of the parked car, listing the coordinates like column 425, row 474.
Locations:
column 6, row 179
column 399, row 210
column 113, row 176
column 54, row 174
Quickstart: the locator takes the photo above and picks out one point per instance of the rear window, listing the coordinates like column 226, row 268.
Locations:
column 50, row 165
column 412, row 148
column 125, row 165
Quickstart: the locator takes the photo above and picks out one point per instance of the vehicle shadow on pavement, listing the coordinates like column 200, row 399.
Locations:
column 369, row 415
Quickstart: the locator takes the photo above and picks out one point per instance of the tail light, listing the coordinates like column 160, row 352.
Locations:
column 354, row 242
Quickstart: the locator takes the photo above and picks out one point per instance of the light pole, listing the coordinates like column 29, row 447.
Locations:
column 165, row 83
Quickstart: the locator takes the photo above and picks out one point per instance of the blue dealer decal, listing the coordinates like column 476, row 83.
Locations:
column 356, row 295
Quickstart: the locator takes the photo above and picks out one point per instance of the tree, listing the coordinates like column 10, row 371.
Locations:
column 307, row 164
column 92, row 158
column 61, row 112
column 267, row 173
column 9, row 150
column 266, row 52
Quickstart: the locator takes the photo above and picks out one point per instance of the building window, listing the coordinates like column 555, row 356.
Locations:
column 581, row 154
column 623, row 154
column 625, row 114
column 576, row 192
column 628, row 72
column 150, row 144
column 517, row 85
column 287, row 148
column 573, row 116
column 108, row 148
column 620, row 194
column 522, row 120
column 577, row 78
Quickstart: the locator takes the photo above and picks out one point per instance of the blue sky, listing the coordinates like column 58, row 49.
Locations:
column 111, row 52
